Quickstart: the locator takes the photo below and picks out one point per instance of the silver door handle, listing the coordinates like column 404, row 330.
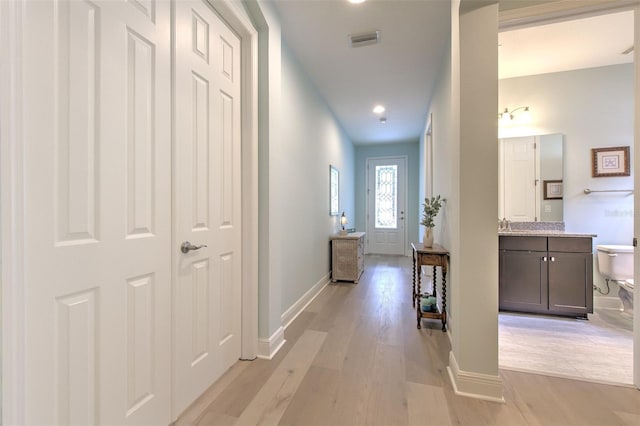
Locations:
column 186, row 247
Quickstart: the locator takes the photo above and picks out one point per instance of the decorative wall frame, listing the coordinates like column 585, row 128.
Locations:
column 552, row 189
column 334, row 191
column 613, row 161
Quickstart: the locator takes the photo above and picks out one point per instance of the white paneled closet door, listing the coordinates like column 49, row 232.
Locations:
column 97, row 179
column 207, row 181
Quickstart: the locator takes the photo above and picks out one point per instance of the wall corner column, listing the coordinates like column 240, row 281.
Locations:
column 473, row 361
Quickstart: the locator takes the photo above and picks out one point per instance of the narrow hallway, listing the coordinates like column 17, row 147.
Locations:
column 354, row 356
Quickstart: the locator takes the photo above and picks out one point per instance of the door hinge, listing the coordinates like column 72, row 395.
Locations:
column 635, row 242
column 535, row 145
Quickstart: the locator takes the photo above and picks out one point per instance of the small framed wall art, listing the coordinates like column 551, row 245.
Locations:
column 334, row 191
column 613, row 161
column 552, row 189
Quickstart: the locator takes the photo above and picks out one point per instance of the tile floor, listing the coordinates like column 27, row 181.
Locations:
column 599, row 350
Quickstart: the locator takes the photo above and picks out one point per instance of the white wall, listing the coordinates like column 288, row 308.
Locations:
column 298, row 139
column 465, row 172
column 475, row 341
column 311, row 140
column 592, row 108
column 267, row 23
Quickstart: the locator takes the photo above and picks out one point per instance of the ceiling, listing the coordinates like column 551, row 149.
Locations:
column 400, row 72
column 569, row 45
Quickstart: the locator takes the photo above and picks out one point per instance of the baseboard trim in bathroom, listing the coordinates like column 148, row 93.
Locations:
column 607, row 302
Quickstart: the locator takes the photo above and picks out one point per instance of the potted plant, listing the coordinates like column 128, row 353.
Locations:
column 430, row 210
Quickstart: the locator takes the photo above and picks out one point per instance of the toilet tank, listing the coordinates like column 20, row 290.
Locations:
column 615, row 262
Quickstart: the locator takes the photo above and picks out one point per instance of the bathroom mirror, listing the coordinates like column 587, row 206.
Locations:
column 530, row 178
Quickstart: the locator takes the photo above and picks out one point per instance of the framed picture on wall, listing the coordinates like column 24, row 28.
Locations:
column 552, row 189
column 612, row 161
column 334, row 191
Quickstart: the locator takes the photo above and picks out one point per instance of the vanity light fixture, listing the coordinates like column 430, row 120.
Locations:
column 507, row 116
column 378, row 109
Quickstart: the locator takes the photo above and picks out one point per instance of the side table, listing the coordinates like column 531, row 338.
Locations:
column 347, row 257
column 434, row 256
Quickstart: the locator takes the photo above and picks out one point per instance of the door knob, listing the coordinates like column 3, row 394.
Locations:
column 186, row 247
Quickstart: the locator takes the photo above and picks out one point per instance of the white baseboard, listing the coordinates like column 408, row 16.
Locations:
column 474, row 385
column 607, row 302
column 268, row 348
column 300, row 305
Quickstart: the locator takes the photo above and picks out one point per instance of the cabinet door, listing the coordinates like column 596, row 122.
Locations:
column 523, row 281
column 570, row 282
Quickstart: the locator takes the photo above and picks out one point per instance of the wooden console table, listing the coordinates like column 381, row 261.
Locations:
column 434, row 256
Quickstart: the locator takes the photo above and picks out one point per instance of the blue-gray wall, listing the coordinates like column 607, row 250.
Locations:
column 311, row 140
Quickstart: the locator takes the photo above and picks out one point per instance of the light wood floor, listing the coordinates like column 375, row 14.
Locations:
column 355, row 357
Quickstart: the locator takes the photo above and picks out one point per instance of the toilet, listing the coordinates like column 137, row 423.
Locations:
column 615, row 262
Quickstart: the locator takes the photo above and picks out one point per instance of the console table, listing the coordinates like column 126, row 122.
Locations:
column 434, row 256
column 347, row 257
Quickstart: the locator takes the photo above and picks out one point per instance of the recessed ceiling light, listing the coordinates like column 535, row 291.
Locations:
column 356, row 1
column 378, row 109
column 383, row 120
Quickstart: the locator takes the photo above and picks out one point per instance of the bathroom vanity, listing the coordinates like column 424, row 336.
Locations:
column 548, row 272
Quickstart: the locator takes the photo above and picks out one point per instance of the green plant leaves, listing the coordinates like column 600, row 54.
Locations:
column 430, row 209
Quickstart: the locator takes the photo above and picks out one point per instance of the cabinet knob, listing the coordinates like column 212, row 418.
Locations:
column 553, row 259
column 544, row 258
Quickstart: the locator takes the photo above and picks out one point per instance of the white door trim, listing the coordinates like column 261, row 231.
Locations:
column 12, row 213
column 240, row 23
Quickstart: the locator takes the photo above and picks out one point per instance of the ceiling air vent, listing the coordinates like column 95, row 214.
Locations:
column 359, row 40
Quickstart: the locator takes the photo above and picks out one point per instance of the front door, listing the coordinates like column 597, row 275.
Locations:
column 386, row 197
column 97, row 223
column 207, row 296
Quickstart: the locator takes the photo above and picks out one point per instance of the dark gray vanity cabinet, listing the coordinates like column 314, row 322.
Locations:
column 570, row 275
column 546, row 275
column 523, row 274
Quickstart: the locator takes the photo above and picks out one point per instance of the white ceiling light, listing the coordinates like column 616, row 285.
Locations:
column 378, row 109
column 356, row 1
